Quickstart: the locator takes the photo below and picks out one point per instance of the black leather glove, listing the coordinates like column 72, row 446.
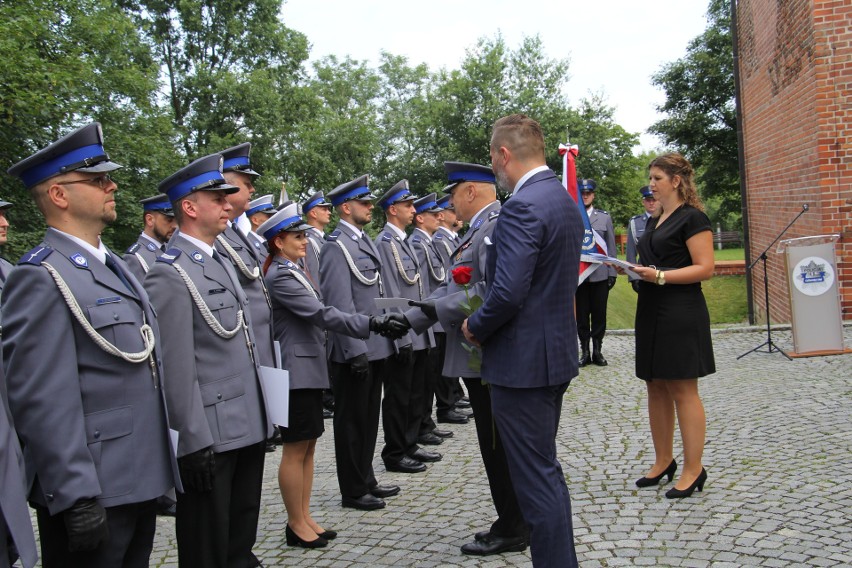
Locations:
column 635, row 284
column 610, row 282
column 391, row 325
column 405, row 355
column 427, row 307
column 359, row 367
column 197, row 470
column 86, row 525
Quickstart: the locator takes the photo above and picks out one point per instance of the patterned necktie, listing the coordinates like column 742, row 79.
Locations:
column 110, row 263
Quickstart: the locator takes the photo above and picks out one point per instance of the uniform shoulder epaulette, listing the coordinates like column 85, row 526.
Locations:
column 169, row 256
column 132, row 248
column 493, row 215
column 332, row 236
column 36, row 256
column 386, row 237
column 601, row 211
column 416, row 239
column 639, row 216
column 438, row 236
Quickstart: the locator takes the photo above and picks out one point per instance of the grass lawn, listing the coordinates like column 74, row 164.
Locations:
column 729, row 254
column 725, row 295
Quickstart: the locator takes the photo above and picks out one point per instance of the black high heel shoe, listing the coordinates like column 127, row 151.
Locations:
column 328, row 535
column 294, row 540
column 651, row 481
column 697, row 484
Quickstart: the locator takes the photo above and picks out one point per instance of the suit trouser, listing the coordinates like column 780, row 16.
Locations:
column 528, row 419
column 356, row 426
column 431, row 376
column 591, row 307
column 401, row 405
column 131, row 538
column 218, row 528
column 446, row 388
column 510, row 522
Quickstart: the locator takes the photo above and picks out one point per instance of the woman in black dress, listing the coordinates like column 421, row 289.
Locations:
column 299, row 319
column 673, row 344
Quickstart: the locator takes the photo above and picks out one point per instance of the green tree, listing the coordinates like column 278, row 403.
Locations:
column 701, row 121
column 61, row 70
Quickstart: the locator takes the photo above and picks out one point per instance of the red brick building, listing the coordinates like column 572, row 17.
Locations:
column 795, row 72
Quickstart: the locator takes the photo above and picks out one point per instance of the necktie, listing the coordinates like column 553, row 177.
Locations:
column 110, row 263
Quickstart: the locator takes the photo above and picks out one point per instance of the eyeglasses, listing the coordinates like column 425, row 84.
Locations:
column 102, row 181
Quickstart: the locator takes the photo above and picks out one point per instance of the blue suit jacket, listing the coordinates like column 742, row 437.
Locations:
column 526, row 324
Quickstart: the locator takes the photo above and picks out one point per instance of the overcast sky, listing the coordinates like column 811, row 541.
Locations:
column 614, row 46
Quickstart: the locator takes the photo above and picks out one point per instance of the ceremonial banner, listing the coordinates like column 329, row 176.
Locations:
column 569, row 180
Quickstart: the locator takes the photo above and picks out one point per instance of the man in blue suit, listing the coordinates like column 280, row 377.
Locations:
column 527, row 330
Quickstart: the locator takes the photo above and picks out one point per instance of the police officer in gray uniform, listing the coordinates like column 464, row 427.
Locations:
column 82, row 351
column 213, row 379
column 159, row 227
column 636, row 228
column 317, row 212
column 475, row 199
column 432, row 274
column 593, row 293
column 350, row 280
column 5, row 265
column 258, row 212
column 402, row 405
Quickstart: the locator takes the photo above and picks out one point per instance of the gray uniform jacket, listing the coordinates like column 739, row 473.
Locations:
column 310, row 262
column 432, row 270
column 300, row 320
column 212, row 383
column 445, row 243
column 396, row 268
column 602, row 224
column 260, row 307
column 635, row 230
column 89, row 422
column 259, row 246
column 471, row 252
column 344, row 287
column 5, row 268
column 140, row 257
column 14, row 514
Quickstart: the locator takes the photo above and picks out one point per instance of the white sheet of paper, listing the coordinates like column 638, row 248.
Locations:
column 276, row 394
column 595, row 257
column 390, row 303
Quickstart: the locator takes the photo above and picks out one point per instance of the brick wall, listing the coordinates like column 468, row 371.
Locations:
column 796, row 77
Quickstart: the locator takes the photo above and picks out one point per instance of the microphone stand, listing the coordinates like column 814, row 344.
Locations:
column 770, row 346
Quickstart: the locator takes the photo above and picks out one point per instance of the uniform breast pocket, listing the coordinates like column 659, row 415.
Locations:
column 108, row 435
column 224, row 308
column 225, row 408
column 308, row 350
column 118, row 322
column 366, row 266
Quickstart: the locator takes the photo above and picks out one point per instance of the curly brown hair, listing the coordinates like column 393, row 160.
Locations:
column 673, row 164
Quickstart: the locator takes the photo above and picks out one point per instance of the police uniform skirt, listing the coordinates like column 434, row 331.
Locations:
column 306, row 422
column 672, row 333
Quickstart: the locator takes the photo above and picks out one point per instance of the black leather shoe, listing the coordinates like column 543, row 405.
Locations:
column 443, row 433
column 452, row 417
column 276, row 436
column 426, row 456
column 405, row 465
column 429, row 439
column 294, row 540
column 597, row 356
column 481, row 535
column 366, row 502
column 462, row 403
column 383, row 491
column 326, row 413
column 491, row 544
column 270, row 446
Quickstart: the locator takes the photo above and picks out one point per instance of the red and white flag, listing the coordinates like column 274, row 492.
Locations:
column 569, row 180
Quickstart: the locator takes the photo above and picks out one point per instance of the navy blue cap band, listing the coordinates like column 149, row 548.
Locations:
column 311, row 204
column 236, row 162
column 426, row 206
column 55, row 166
column 471, row 176
column 351, row 194
column 394, row 197
column 158, row 206
column 186, row 187
column 278, row 227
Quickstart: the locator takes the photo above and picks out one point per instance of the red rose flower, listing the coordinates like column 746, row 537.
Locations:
column 462, row 275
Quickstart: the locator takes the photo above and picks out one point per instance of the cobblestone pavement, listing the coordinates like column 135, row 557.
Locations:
column 778, row 457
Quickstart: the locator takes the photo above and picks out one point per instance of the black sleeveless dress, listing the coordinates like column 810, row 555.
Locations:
column 672, row 323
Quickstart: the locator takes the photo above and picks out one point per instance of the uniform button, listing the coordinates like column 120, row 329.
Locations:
column 219, row 396
column 115, row 317
column 97, row 434
column 49, row 496
column 221, row 304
